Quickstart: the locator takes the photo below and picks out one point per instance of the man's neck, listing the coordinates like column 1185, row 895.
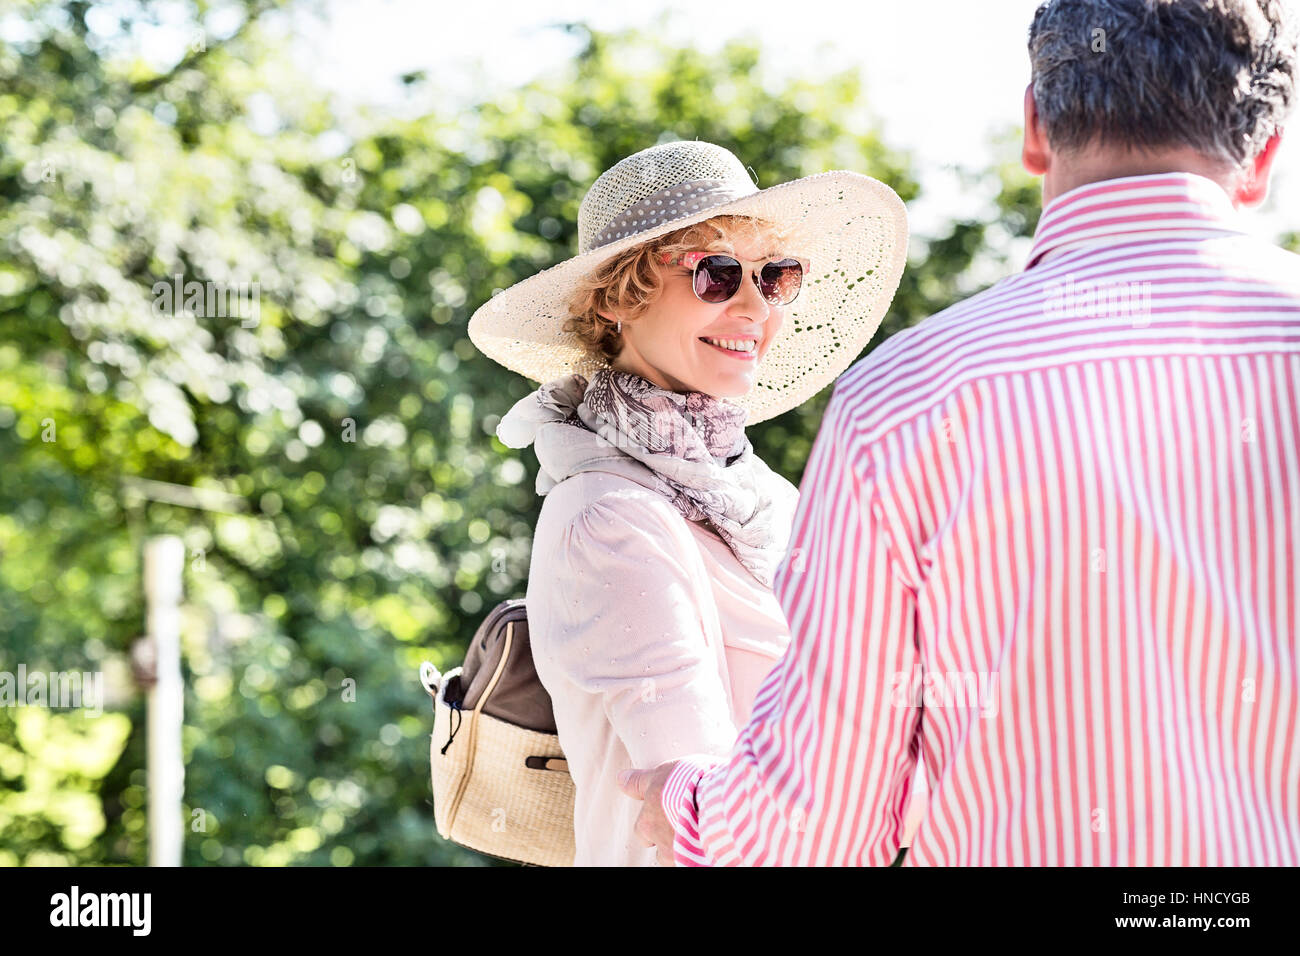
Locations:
column 1094, row 166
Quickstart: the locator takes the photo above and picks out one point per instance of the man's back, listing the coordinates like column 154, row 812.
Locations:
column 1046, row 540
column 1090, row 479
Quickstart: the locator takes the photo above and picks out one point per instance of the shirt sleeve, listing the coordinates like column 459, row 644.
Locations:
column 628, row 627
column 820, row 775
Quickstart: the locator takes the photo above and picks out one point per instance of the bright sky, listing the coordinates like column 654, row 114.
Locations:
column 941, row 74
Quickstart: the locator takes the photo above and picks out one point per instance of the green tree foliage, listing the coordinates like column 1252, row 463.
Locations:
column 353, row 418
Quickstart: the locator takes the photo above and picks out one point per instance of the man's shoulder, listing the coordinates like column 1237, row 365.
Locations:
column 1258, row 260
column 1018, row 324
column 913, row 368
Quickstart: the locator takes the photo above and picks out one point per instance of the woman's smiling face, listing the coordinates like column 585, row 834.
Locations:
column 666, row 343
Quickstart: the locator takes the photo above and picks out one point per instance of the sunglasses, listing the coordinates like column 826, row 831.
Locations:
column 716, row 277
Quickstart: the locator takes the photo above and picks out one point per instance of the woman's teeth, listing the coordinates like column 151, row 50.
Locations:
column 735, row 345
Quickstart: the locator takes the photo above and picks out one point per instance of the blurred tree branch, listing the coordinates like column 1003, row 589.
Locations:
column 252, row 13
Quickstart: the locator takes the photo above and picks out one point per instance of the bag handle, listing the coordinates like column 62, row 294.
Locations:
column 431, row 679
column 434, row 682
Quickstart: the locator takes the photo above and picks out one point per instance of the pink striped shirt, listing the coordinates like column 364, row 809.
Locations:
column 1046, row 544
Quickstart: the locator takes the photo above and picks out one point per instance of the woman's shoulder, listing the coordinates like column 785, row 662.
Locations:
column 611, row 498
column 599, row 536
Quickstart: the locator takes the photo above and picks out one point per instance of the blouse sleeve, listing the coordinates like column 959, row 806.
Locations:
column 627, row 625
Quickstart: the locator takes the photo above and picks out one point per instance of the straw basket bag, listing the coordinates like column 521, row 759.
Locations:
column 501, row 785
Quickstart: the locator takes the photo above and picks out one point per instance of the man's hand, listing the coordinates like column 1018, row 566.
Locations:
column 652, row 827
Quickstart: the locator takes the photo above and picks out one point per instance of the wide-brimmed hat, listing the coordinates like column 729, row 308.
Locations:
column 852, row 229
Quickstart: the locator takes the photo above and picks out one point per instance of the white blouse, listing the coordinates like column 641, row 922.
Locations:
column 651, row 638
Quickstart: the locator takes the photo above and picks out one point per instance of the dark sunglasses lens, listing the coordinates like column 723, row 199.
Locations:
column 781, row 281
column 717, row 278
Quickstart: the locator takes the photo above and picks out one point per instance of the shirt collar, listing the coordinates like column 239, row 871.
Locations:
column 1133, row 209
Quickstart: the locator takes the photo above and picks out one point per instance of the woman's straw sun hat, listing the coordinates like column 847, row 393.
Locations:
column 851, row 228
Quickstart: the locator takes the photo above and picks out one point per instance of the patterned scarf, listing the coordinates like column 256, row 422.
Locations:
column 689, row 447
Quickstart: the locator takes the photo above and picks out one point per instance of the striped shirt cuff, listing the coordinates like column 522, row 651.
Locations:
column 679, row 806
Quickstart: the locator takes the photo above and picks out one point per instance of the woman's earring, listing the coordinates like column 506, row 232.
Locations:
column 619, row 330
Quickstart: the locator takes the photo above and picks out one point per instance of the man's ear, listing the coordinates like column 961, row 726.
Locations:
column 1252, row 187
column 1035, row 155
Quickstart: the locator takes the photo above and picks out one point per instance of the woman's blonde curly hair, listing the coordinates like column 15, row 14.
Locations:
column 630, row 281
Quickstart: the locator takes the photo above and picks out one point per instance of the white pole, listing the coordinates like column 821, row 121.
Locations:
column 164, row 560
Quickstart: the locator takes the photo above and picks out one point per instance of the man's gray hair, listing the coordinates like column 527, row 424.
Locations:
column 1215, row 75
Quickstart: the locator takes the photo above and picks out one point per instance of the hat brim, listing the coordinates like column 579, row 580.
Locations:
column 855, row 237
